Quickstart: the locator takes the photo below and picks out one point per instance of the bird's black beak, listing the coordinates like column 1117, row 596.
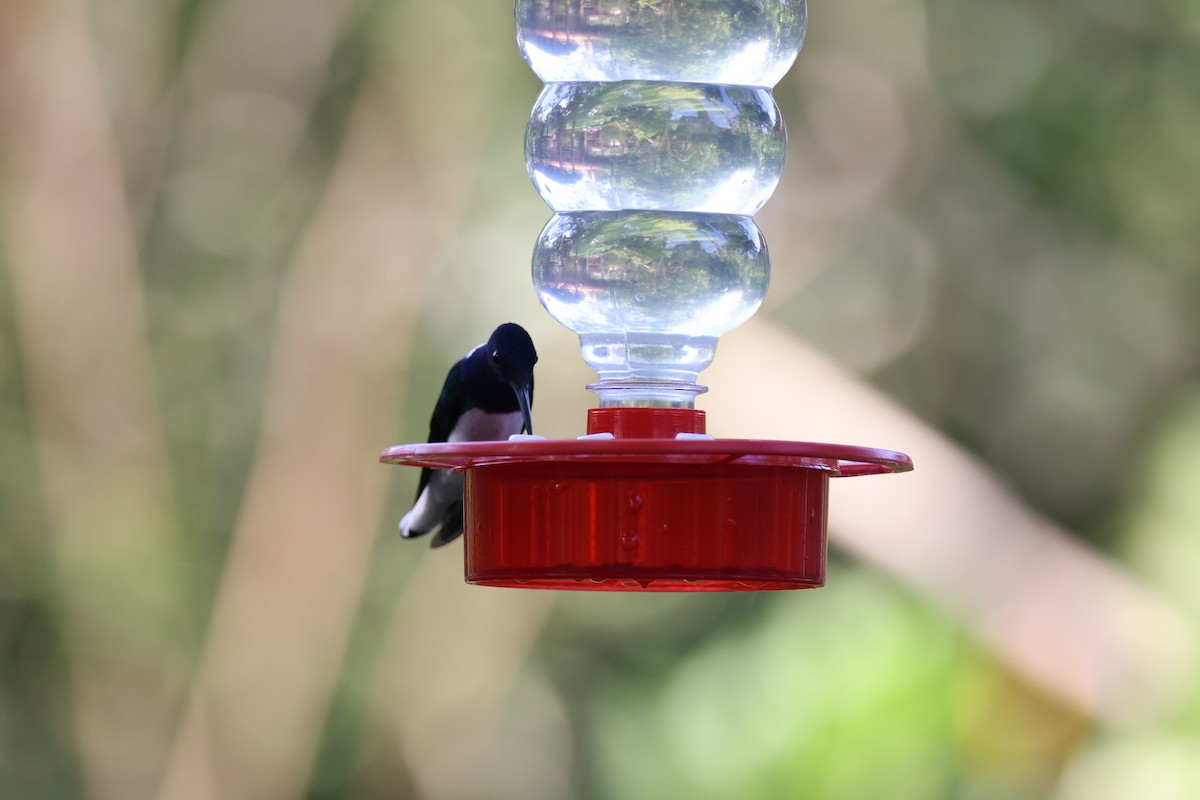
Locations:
column 522, row 388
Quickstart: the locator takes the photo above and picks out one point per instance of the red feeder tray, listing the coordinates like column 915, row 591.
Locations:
column 645, row 511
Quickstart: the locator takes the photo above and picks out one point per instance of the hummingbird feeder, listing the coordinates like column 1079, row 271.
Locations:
column 655, row 141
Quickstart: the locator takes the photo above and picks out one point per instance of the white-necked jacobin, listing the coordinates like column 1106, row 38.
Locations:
column 487, row 396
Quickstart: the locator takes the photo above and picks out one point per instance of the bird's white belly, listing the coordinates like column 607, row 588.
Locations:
column 480, row 426
column 445, row 488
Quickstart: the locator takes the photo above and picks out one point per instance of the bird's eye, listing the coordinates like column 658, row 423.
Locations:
column 495, row 356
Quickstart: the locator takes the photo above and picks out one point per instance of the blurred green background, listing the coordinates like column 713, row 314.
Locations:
column 242, row 240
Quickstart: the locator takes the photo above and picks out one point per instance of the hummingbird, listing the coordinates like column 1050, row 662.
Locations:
column 487, row 396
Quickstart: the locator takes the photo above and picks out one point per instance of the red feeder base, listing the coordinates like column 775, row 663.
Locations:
column 644, row 512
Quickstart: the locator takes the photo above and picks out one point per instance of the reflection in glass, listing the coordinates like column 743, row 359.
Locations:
column 737, row 42
column 649, row 292
column 653, row 145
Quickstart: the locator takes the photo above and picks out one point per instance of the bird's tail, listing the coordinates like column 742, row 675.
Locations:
column 445, row 532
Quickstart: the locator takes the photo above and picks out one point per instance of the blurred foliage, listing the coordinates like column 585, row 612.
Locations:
column 989, row 210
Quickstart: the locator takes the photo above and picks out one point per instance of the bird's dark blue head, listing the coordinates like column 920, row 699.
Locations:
column 511, row 354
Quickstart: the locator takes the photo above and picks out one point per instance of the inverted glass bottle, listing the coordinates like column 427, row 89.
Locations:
column 654, row 141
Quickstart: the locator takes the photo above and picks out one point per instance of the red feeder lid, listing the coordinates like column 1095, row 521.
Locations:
column 641, row 510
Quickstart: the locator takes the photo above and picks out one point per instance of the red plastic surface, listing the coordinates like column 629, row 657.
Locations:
column 646, row 526
column 647, row 514
column 645, row 423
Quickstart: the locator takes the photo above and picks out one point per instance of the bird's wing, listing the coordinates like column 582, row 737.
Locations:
column 448, row 407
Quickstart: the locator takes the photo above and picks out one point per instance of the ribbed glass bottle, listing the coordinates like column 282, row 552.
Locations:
column 654, row 141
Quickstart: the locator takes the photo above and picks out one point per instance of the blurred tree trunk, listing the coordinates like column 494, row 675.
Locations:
column 307, row 528
column 1062, row 615
column 102, row 459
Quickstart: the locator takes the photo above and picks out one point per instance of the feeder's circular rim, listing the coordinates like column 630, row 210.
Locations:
column 840, row 460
